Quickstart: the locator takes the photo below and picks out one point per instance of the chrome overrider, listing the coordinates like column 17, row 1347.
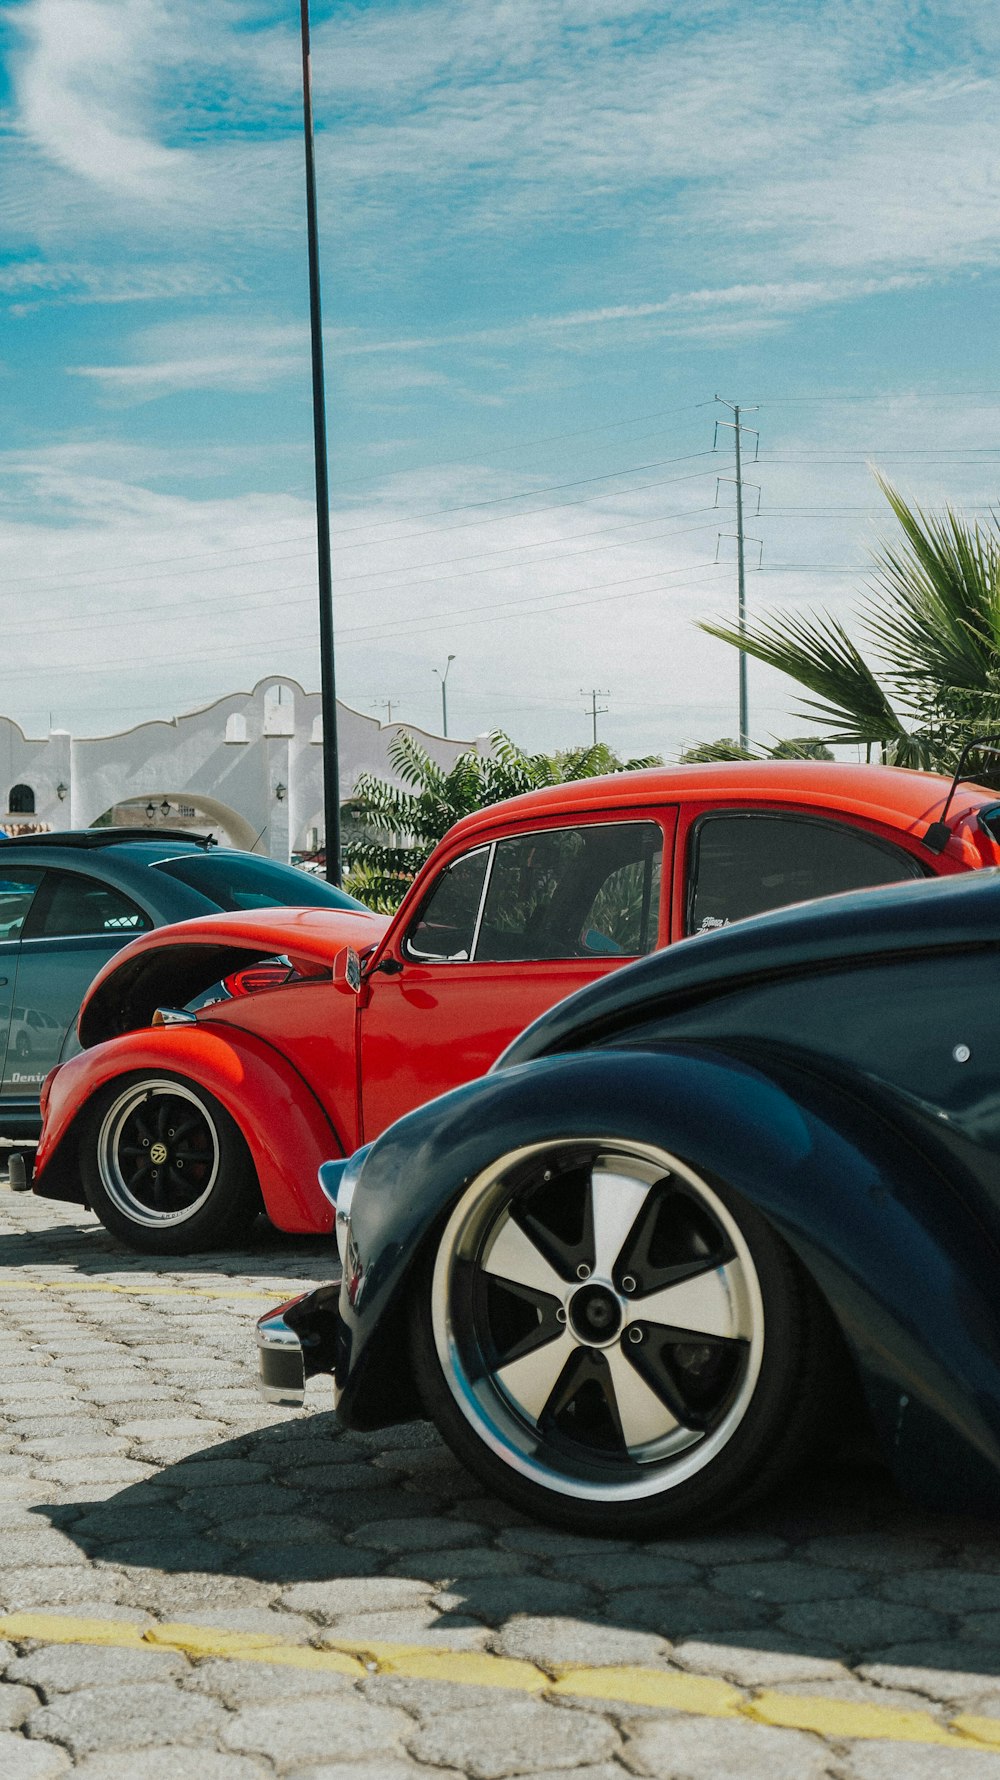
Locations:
column 283, row 1346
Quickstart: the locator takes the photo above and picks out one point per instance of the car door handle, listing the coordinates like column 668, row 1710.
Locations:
column 3, row 982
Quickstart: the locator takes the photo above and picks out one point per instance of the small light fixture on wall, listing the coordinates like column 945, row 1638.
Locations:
column 164, row 809
column 279, row 791
column 150, row 810
column 62, row 791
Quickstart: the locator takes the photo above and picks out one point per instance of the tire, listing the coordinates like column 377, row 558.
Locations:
column 615, row 1342
column 22, row 1045
column 202, row 1193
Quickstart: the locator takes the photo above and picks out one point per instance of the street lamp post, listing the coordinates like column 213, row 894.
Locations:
column 328, row 692
column 443, row 677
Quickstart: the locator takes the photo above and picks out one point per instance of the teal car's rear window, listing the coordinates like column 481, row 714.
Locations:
column 238, row 881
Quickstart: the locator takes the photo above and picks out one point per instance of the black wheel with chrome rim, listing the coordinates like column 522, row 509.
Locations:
column 166, row 1167
column 609, row 1338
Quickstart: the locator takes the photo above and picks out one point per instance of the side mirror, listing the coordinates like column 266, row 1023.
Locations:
column 346, row 973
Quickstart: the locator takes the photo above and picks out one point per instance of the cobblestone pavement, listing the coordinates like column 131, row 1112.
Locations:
column 194, row 1585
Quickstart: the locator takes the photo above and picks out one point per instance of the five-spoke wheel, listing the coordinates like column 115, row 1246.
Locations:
column 165, row 1166
column 610, row 1338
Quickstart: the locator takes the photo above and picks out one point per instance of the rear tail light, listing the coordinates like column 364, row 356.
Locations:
column 257, row 977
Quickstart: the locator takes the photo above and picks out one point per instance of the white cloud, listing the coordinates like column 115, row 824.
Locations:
column 216, row 355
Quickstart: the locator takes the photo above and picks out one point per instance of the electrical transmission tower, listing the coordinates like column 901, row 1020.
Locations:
column 596, row 710
column 738, row 430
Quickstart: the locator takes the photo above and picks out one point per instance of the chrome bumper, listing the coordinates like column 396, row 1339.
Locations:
column 281, row 1359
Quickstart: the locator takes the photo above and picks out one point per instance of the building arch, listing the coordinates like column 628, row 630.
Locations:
column 183, row 809
column 21, row 800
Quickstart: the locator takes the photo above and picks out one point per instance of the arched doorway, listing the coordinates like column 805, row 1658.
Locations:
column 187, row 810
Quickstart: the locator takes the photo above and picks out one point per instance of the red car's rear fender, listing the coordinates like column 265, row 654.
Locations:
column 286, row 1130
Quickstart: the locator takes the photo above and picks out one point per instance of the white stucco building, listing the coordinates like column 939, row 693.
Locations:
column 250, row 766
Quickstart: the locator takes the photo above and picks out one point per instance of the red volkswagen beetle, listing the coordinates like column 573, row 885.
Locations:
column 226, row 1057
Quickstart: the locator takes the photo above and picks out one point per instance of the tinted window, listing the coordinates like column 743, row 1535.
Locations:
column 744, row 864
column 16, row 891
column 581, row 892
column 236, row 881
column 70, row 906
column 445, row 927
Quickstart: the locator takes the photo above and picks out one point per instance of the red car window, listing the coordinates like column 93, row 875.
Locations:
column 744, row 862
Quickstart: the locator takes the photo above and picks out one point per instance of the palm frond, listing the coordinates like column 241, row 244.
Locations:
column 817, row 651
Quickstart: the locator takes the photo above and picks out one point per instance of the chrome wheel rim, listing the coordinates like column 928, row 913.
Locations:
column 158, row 1154
column 598, row 1318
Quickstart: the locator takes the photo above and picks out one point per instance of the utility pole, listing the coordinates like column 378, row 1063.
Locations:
column 385, row 704
column 328, row 689
column 738, row 430
column 596, row 710
column 443, row 677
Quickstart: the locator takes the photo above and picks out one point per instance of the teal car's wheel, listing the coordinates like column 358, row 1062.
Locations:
column 166, row 1168
column 612, row 1341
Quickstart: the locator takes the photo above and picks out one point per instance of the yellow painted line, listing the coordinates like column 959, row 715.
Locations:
column 702, row 1696
column 274, row 1289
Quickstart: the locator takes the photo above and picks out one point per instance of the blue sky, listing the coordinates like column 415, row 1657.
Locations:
column 551, row 234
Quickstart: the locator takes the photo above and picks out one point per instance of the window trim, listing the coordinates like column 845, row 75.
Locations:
column 642, row 818
column 780, row 812
column 55, row 872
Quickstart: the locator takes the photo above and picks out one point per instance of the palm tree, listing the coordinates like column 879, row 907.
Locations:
column 931, row 623
column 400, row 826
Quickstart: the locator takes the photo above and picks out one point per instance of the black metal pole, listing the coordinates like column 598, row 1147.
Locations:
column 328, row 690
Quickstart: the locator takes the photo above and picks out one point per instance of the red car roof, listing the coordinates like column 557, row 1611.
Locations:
column 894, row 795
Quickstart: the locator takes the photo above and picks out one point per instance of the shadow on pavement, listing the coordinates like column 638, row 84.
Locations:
column 86, row 1248
column 838, row 1566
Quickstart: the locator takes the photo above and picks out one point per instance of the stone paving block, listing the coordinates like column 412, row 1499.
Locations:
column 330, row 1601
column 209, row 1472
column 177, row 1597
column 318, row 1562
column 721, row 1749
column 275, row 1529
column 39, row 1545
column 417, row 1534
column 346, row 1727
column 757, row 1667
column 787, row 1581
column 948, row 1590
column 720, row 1548
column 21, row 1760
column 521, row 1737
column 62, row 1668
column 860, row 1626
column 944, row 1682
column 388, row 1768
column 609, row 1569
column 97, row 1444
column 451, row 1631
column 443, row 1568
column 238, row 1683
column 97, row 1470
column 686, row 1612
column 127, row 1717
column 871, row 1551
column 55, row 1586
column 15, row 1704
column 883, row 1761
column 556, row 1642
column 496, row 1599
column 172, row 1764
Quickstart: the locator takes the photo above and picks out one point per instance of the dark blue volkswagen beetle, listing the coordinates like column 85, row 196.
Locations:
column 698, row 1216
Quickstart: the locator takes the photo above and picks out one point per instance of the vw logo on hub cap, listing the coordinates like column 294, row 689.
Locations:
column 159, row 1154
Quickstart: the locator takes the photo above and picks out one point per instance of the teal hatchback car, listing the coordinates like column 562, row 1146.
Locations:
column 69, row 901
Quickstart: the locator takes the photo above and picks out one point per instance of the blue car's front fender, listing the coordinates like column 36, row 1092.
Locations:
column 854, row 1187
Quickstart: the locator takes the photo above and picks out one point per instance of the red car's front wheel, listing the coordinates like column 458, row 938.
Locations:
column 166, row 1168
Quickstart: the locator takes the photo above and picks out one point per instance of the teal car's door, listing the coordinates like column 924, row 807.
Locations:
column 17, row 890
column 74, row 924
